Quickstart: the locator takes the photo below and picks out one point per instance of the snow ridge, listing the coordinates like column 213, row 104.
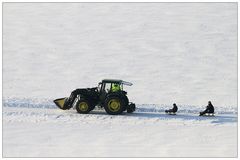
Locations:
column 28, row 103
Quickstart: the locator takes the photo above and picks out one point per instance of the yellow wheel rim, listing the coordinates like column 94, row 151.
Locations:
column 83, row 106
column 114, row 105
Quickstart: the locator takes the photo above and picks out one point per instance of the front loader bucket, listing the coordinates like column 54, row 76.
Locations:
column 60, row 103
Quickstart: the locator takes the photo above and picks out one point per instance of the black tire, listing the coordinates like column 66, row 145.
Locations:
column 126, row 102
column 83, row 106
column 92, row 108
column 113, row 105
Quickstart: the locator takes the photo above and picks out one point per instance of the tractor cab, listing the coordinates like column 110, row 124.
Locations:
column 113, row 88
column 112, row 85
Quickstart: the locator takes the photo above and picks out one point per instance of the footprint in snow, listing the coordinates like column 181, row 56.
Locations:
column 59, row 116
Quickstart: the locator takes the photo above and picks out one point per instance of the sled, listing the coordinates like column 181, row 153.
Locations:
column 170, row 113
column 207, row 115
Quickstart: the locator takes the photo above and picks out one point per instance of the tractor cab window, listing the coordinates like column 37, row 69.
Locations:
column 115, row 87
column 107, row 87
column 99, row 86
column 111, row 87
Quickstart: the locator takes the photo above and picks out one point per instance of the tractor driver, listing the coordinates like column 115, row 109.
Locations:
column 115, row 87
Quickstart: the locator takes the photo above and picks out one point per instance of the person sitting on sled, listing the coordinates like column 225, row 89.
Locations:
column 115, row 87
column 209, row 109
column 173, row 110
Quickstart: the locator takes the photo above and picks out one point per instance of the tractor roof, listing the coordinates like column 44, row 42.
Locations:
column 116, row 81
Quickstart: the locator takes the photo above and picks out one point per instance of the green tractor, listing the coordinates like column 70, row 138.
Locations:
column 109, row 94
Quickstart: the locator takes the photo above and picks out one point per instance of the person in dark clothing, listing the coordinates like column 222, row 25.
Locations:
column 116, row 87
column 173, row 110
column 209, row 109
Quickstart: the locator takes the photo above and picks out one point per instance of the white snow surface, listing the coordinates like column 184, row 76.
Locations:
column 172, row 52
column 37, row 128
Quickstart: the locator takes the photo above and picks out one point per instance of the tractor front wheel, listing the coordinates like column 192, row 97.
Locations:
column 83, row 106
column 113, row 105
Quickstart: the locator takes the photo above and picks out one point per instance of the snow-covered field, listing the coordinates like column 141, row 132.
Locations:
column 38, row 130
column 172, row 52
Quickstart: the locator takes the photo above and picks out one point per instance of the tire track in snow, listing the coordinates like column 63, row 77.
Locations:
column 44, row 110
column 48, row 104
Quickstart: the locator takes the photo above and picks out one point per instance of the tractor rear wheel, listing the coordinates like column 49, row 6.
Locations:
column 83, row 106
column 114, row 105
